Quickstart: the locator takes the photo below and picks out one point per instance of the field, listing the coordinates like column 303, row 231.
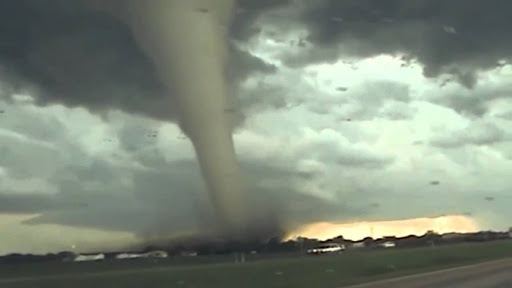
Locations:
column 304, row 271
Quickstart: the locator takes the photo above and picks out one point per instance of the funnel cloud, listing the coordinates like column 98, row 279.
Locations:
column 192, row 63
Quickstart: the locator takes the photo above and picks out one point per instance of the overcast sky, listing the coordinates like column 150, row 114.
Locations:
column 344, row 111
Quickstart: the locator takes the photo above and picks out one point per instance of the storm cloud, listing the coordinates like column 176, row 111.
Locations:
column 66, row 52
column 458, row 37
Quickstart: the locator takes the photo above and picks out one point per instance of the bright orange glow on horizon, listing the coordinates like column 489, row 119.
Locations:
column 378, row 229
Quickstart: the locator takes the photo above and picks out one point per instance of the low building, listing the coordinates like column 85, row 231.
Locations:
column 151, row 254
column 188, row 253
column 358, row 245
column 89, row 257
column 453, row 236
column 67, row 256
column 123, row 256
column 156, row 254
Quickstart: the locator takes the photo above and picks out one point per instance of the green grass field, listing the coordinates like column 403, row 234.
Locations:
column 308, row 271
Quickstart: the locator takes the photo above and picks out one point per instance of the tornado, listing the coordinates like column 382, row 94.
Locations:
column 187, row 42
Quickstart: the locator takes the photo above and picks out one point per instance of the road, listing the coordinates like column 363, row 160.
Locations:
column 495, row 274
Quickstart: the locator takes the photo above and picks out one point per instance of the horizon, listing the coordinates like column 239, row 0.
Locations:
column 355, row 231
column 406, row 227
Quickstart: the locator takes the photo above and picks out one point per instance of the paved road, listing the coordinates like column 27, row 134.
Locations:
column 495, row 274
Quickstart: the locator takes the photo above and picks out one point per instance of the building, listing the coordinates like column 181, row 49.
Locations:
column 453, row 236
column 123, row 256
column 358, row 245
column 89, row 257
column 151, row 254
column 188, row 253
column 156, row 254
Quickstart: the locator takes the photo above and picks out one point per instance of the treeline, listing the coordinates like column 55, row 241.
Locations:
column 17, row 258
column 274, row 246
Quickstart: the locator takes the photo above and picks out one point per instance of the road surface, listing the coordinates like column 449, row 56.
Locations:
column 495, row 274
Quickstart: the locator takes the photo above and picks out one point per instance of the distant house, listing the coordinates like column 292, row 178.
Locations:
column 89, row 257
column 453, row 236
column 189, row 253
column 358, row 245
column 67, row 256
column 409, row 241
column 123, row 256
column 151, row 254
column 157, row 254
column 487, row 236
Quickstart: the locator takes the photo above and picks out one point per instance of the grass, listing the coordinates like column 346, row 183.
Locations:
column 312, row 271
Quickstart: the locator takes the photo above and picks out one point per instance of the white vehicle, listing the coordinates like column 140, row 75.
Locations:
column 327, row 248
column 388, row 244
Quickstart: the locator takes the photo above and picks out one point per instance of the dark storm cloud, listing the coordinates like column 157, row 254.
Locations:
column 459, row 37
column 286, row 201
column 170, row 199
column 136, row 134
column 76, row 56
column 154, row 198
column 158, row 203
column 160, row 197
column 248, row 12
column 14, row 203
column 64, row 52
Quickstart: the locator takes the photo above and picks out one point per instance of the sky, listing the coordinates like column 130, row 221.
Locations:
column 344, row 112
column 379, row 229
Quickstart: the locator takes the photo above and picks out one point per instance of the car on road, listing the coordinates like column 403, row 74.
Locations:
column 388, row 244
